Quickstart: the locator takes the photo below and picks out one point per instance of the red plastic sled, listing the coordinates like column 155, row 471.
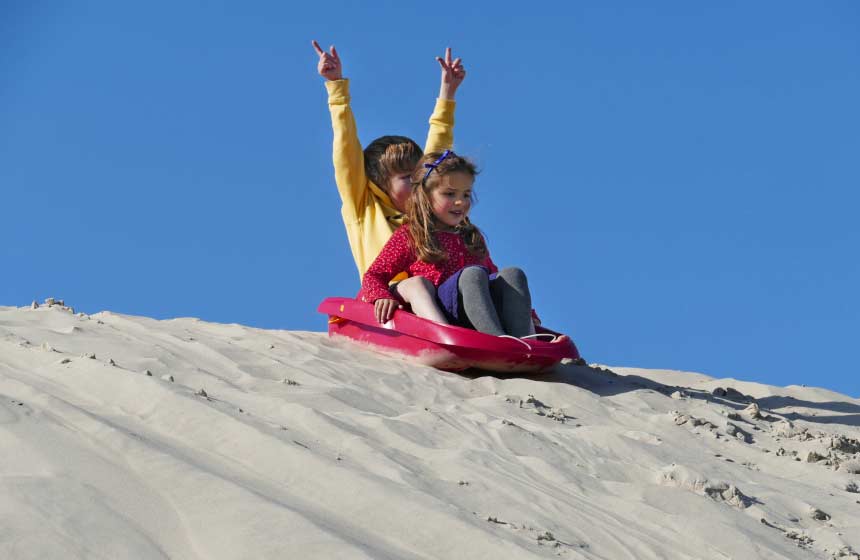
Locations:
column 443, row 346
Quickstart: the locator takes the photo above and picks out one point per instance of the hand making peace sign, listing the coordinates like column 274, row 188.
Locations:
column 453, row 74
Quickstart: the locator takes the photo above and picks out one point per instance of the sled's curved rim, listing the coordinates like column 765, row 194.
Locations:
column 452, row 338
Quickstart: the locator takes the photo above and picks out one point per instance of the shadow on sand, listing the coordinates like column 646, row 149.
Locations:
column 606, row 383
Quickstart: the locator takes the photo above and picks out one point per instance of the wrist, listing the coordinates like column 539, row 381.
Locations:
column 447, row 92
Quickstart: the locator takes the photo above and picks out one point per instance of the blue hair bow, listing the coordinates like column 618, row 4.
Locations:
column 431, row 166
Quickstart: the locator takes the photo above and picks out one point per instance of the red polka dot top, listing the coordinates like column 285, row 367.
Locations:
column 398, row 256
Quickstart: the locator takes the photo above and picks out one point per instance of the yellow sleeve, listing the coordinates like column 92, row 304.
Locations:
column 347, row 155
column 441, row 135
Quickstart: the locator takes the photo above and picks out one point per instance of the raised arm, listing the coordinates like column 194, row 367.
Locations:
column 347, row 155
column 441, row 135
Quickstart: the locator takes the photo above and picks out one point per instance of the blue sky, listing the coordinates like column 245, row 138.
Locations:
column 679, row 180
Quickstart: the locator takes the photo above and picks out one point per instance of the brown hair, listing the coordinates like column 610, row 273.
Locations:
column 422, row 222
column 389, row 155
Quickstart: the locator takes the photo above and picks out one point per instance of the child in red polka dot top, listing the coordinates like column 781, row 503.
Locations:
column 452, row 279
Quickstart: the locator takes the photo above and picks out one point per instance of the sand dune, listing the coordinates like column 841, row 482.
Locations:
column 128, row 437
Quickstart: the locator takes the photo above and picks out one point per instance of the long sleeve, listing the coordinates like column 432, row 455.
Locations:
column 347, row 154
column 395, row 257
column 441, row 134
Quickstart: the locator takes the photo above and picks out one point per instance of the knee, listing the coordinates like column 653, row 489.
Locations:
column 425, row 285
column 416, row 285
column 473, row 274
column 514, row 275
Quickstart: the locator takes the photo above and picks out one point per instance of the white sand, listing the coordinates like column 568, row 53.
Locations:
column 304, row 447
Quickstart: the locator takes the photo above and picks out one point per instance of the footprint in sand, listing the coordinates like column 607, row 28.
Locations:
column 644, row 437
column 11, row 412
column 717, row 490
column 786, row 429
column 846, row 552
column 818, row 515
column 680, row 419
column 844, row 444
column 540, row 408
column 736, row 432
column 800, row 538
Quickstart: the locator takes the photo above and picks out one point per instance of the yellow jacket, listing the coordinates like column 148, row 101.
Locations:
column 368, row 213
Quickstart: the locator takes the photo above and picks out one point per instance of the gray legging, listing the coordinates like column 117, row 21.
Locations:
column 499, row 306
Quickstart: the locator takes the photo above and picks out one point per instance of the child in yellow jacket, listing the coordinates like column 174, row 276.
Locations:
column 374, row 183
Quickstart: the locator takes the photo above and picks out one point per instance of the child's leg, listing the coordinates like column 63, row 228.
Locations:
column 421, row 295
column 476, row 304
column 513, row 301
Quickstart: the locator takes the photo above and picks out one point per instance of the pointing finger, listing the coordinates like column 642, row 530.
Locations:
column 448, row 55
column 317, row 47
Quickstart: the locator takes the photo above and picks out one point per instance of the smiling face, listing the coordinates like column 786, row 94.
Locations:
column 452, row 198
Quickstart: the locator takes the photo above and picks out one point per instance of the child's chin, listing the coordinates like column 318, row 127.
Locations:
column 452, row 223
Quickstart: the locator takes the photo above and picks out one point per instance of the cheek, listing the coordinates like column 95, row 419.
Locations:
column 400, row 190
